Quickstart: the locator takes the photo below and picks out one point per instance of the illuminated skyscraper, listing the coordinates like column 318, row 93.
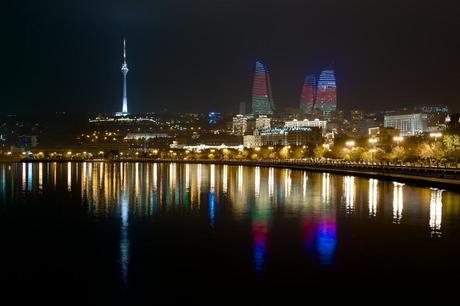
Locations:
column 124, row 71
column 262, row 99
column 308, row 96
column 326, row 94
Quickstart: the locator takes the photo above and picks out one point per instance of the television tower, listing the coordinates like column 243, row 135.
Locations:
column 124, row 71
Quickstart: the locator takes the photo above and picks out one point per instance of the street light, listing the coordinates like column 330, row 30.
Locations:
column 436, row 135
column 350, row 143
column 373, row 141
column 398, row 139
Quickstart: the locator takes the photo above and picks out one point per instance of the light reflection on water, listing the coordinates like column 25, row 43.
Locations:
column 258, row 195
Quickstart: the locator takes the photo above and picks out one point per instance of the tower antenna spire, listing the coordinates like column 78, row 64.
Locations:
column 124, row 50
column 124, row 71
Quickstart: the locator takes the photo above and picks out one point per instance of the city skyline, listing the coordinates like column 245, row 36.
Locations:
column 266, row 145
column 66, row 59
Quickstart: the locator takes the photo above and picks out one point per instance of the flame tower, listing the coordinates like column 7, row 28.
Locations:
column 124, row 71
column 326, row 96
column 308, row 96
column 262, row 99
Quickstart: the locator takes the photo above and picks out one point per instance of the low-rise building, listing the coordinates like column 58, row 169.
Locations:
column 263, row 122
column 292, row 124
column 291, row 136
column 407, row 124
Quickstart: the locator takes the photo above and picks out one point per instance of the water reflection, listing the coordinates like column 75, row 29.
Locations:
column 397, row 202
column 436, row 212
column 373, row 197
column 254, row 203
column 271, row 181
column 257, row 181
column 24, row 176
column 349, row 193
column 212, row 196
column 69, row 176
column 40, row 176
column 224, row 178
column 124, row 240
column 326, row 188
column 3, row 184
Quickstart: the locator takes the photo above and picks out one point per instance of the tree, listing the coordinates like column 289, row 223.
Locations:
column 452, row 146
column 319, row 151
column 398, row 153
column 425, row 151
column 284, row 152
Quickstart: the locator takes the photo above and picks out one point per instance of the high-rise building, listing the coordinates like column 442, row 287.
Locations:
column 242, row 108
column 124, row 71
column 308, row 96
column 326, row 94
column 240, row 124
column 262, row 99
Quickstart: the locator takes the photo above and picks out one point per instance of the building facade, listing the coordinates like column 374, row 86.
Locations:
column 326, row 94
column 291, row 136
column 262, row 98
column 308, row 95
column 436, row 114
column 240, row 125
column 263, row 122
column 407, row 124
column 322, row 124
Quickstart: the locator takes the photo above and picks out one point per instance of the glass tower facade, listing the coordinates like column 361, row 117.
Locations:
column 262, row 99
column 326, row 94
column 308, row 96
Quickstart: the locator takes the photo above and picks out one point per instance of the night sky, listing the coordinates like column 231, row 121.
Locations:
column 199, row 55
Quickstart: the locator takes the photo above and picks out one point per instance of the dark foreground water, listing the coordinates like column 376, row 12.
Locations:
column 168, row 232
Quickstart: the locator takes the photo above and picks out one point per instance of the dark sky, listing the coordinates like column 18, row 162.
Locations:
column 199, row 55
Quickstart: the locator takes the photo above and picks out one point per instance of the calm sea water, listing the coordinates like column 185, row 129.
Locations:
column 189, row 231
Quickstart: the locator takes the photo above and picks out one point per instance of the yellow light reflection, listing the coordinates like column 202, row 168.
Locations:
column 198, row 183
column 69, row 176
column 212, row 178
column 224, row 178
column 287, row 182
column 326, row 188
column 187, row 176
column 83, row 180
column 155, row 176
column 271, row 182
column 397, row 202
column 436, row 212
column 240, row 179
column 40, row 176
column 304, row 184
column 257, row 182
column 349, row 188
column 373, row 197
column 24, row 176
column 172, row 177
